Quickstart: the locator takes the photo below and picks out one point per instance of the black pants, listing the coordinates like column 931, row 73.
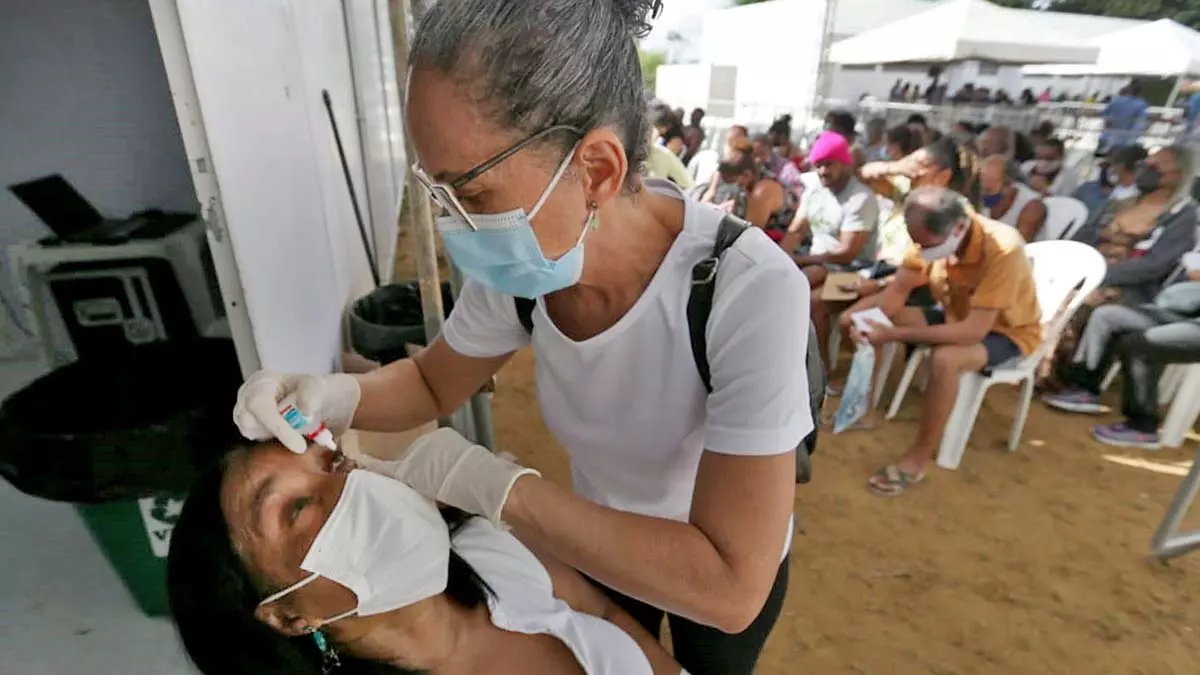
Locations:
column 702, row 650
column 1143, row 355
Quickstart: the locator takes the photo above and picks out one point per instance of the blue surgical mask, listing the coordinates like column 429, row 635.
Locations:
column 992, row 201
column 503, row 253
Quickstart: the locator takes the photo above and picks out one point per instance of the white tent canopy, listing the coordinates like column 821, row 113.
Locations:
column 961, row 30
column 1162, row 48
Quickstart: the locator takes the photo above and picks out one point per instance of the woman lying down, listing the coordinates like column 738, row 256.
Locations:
column 305, row 564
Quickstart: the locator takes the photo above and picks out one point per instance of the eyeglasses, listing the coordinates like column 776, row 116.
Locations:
column 443, row 194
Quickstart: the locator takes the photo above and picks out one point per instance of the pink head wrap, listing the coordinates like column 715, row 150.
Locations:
column 831, row 146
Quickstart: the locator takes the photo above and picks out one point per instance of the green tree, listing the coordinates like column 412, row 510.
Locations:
column 650, row 63
column 1186, row 12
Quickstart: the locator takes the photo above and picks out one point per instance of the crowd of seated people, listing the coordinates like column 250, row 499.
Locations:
column 935, row 227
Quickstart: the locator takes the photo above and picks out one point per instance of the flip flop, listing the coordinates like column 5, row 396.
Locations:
column 890, row 481
column 861, row 424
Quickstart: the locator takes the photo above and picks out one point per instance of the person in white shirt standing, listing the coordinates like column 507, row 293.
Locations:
column 1012, row 203
column 683, row 495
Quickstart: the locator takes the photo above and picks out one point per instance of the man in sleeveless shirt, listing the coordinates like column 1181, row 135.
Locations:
column 1008, row 201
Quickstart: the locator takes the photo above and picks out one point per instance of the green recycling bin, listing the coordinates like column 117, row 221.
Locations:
column 134, row 536
column 123, row 438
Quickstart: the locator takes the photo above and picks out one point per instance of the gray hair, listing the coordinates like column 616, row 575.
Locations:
column 534, row 65
column 1185, row 158
column 938, row 209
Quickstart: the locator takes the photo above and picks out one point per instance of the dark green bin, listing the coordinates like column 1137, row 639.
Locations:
column 123, row 438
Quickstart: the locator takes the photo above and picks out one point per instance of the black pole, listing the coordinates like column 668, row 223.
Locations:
column 362, row 228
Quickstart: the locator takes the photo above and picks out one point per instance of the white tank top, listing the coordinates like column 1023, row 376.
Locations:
column 1025, row 194
column 524, row 602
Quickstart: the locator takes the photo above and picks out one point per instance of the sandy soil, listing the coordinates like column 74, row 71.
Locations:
column 1031, row 562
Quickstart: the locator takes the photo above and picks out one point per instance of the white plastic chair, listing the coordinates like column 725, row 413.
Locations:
column 1063, row 216
column 1185, row 404
column 1059, row 267
column 704, row 165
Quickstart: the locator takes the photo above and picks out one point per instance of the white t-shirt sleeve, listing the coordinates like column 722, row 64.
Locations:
column 757, row 352
column 484, row 324
column 860, row 213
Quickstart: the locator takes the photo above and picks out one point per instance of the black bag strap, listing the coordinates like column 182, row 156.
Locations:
column 700, row 300
column 704, row 285
column 525, row 308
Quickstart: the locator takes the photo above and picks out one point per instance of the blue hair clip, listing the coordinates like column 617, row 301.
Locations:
column 329, row 656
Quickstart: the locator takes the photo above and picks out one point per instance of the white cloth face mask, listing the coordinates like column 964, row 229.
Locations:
column 383, row 541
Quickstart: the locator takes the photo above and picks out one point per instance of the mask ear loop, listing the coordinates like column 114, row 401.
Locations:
column 562, row 168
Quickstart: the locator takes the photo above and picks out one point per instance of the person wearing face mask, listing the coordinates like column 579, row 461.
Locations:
column 1047, row 173
column 308, row 565
column 988, row 314
column 1142, row 239
column 943, row 163
column 683, row 440
column 1117, row 181
column 1014, row 204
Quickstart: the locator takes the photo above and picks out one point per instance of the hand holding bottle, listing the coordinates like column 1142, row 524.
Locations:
column 331, row 399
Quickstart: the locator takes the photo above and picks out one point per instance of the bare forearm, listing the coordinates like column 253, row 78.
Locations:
column 394, row 398
column 668, row 564
column 957, row 333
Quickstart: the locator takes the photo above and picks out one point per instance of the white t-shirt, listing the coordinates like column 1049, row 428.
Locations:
column 628, row 404
column 524, row 602
column 829, row 214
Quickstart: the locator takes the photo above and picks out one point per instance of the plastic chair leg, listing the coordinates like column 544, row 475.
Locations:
column 910, row 370
column 1014, row 438
column 1110, row 376
column 885, row 369
column 1170, row 383
column 1184, row 410
column 971, row 388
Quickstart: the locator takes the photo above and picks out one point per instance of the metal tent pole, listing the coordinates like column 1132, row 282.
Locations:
column 1168, row 542
column 473, row 420
column 416, row 202
column 1175, row 91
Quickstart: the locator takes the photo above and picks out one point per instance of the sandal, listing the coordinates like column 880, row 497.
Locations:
column 890, row 481
column 861, row 424
column 833, row 390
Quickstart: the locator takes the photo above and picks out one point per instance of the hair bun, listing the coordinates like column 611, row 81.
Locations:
column 637, row 15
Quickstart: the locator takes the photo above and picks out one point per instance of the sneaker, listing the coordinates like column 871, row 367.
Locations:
column 1076, row 401
column 1121, row 436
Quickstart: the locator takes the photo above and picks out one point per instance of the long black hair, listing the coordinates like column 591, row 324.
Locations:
column 213, row 597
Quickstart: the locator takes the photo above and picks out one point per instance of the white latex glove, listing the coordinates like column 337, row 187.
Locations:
column 329, row 398
column 448, row 468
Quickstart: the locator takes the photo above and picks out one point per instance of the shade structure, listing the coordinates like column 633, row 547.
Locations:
column 1161, row 48
column 962, row 30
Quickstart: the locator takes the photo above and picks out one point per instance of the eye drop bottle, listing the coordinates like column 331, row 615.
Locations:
column 315, row 432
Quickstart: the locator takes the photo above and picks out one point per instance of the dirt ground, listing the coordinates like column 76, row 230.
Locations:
column 1025, row 563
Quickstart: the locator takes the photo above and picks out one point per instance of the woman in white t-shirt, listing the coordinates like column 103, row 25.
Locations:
column 529, row 122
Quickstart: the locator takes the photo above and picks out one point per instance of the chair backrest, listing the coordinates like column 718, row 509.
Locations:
column 1065, row 273
column 1063, row 216
column 704, row 165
